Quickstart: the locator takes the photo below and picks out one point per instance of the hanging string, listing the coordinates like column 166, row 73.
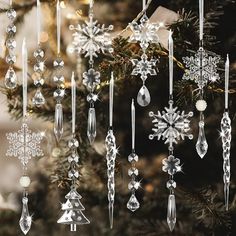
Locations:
column 133, row 124
column 144, row 5
column 111, row 95
column 91, row 2
column 25, row 73
column 38, row 21
column 10, row 2
column 58, row 27
column 201, row 17
column 73, row 101
column 227, row 82
column 171, row 55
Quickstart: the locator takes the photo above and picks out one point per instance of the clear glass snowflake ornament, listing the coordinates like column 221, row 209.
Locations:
column 171, row 165
column 24, row 144
column 201, row 68
column 91, row 79
column 171, row 125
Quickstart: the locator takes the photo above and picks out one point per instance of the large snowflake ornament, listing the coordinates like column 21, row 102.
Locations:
column 144, row 33
column 92, row 38
column 144, row 67
column 171, row 125
column 201, row 68
column 24, row 144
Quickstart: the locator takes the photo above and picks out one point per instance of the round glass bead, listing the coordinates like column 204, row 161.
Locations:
column 39, row 67
column 11, row 29
column 59, row 79
column 171, row 184
column 73, row 174
column 11, row 43
column 132, row 157
column 91, row 98
column 73, row 143
column 11, row 14
column 58, row 63
column 11, row 59
column 133, row 171
column 39, row 54
column 133, row 185
column 73, row 157
column 39, row 82
column 59, row 94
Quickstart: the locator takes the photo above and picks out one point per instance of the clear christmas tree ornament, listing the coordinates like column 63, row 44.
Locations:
column 91, row 39
column 171, row 126
column 202, row 69
column 73, row 208
column 10, row 77
column 24, row 144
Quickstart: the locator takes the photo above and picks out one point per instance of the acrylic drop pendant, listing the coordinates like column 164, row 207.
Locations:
column 143, row 97
column 133, row 203
column 58, row 123
column 91, row 130
column 10, row 79
column 171, row 212
column 25, row 220
column 38, row 99
column 201, row 145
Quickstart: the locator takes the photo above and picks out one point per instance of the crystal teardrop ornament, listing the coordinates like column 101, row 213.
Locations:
column 38, row 99
column 171, row 212
column 25, row 220
column 91, row 130
column 133, row 203
column 58, row 123
column 201, row 145
column 143, row 97
column 10, row 79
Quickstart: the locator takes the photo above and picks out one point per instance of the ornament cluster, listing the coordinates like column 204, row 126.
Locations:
column 169, row 125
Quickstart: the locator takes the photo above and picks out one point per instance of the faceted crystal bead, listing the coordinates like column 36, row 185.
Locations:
column 133, row 171
column 58, row 123
column 58, row 63
column 11, row 14
column 73, row 157
column 39, row 82
column 133, row 185
column 39, row 54
column 171, row 184
column 92, row 98
column 39, row 67
column 11, row 59
column 133, row 157
column 73, row 143
column 11, row 29
column 143, row 97
column 201, row 145
column 11, row 43
column 59, row 94
column 91, row 129
column 10, row 79
column 133, row 203
column 58, row 79
column 171, row 212
column 38, row 99
column 73, row 174
column 25, row 220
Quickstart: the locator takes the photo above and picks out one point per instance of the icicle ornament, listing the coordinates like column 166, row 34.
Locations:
column 171, row 126
column 24, row 145
column 202, row 69
column 73, row 208
column 111, row 149
column 133, row 203
column 226, row 136
column 59, row 80
column 91, row 39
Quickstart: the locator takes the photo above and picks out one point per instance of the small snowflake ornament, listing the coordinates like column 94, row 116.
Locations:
column 171, row 125
column 171, row 165
column 201, row 68
column 24, row 144
column 144, row 67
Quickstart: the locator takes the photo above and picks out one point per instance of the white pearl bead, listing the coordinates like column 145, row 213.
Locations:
column 201, row 105
column 25, row 181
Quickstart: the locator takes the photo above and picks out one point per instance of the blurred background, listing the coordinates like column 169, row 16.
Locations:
column 200, row 209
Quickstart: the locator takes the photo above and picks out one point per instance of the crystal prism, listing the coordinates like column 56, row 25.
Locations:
column 11, row 14
column 201, row 145
column 25, row 220
column 11, row 59
column 11, row 43
column 10, row 79
column 133, row 203
column 91, row 130
column 171, row 212
column 143, row 97
column 38, row 99
column 11, row 29
column 58, row 123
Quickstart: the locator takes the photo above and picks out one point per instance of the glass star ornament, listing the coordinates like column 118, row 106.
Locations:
column 91, row 79
column 92, row 38
column 171, row 125
column 144, row 67
column 171, row 165
column 145, row 33
column 24, row 144
column 201, row 68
